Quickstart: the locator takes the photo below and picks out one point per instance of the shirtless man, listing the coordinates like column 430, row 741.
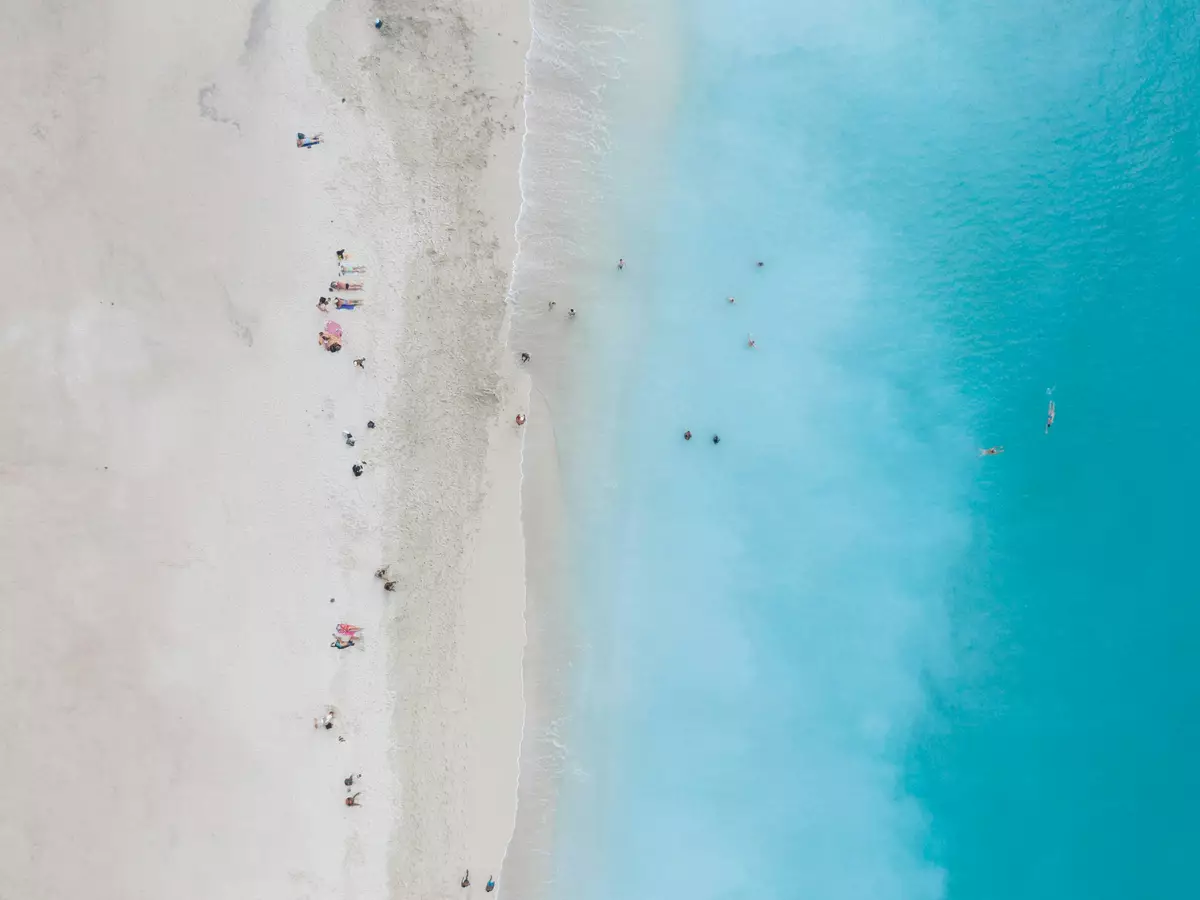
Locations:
column 991, row 451
column 345, row 286
column 1050, row 417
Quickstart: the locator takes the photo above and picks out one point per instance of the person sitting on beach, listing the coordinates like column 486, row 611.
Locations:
column 357, row 469
column 381, row 573
column 339, row 644
column 991, row 451
column 326, row 721
column 346, row 304
column 750, row 342
column 330, row 342
column 323, row 304
column 345, row 286
column 389, row 585
column 361, row 362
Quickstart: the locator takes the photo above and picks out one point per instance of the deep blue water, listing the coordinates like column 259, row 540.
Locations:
column 839, row 655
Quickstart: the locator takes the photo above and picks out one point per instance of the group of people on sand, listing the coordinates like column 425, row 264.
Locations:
column 330, row 337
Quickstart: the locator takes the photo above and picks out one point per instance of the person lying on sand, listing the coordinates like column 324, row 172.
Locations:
column 302, row 141
column 339, row 644
column 345, row 286
column 491, row 885
column 330, row 342
column 991, row 451
column 346, row 304
column 361, row 362
column 389, row 585
column 351, row 270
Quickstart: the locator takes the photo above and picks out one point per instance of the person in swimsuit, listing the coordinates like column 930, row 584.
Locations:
column 339, row 644
column 361, row 362
column 353, row 799
column 1050, row 417
column 346, row 304
column 991, row 451
column 323, row 304
column 466, row 882
column 345, row 286
column 302, row 141
column 491, row 885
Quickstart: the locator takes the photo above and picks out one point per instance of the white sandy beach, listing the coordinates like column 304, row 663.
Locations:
column 178, row 506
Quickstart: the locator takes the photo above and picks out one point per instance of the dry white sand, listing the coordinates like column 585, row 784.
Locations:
column 177, row 504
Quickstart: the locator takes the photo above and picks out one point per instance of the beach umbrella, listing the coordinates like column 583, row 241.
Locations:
column 333, row 328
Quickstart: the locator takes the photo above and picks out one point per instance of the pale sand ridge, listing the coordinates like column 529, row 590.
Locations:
column 177, row 507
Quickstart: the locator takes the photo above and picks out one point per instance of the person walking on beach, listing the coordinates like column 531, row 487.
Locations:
column 323, row 304
column 357, row 469
column 491, row 885
column 361, row 362
column 389, row 585
column 353, row 799
column 466, row 882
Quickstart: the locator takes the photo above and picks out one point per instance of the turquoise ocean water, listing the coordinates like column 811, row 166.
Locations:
column 839, row 655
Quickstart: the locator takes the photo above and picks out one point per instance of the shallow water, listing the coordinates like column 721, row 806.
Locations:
column 838, row 654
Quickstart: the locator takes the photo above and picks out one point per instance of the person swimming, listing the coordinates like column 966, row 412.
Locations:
column 991, row 451
column 687, row 435
column 716, row 439
column 1050, row 417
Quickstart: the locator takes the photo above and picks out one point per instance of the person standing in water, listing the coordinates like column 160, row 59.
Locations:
column 620, row 263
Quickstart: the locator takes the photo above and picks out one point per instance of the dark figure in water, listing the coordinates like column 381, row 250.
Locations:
column 716, row 439
column 687, row 435
column 761, row 263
